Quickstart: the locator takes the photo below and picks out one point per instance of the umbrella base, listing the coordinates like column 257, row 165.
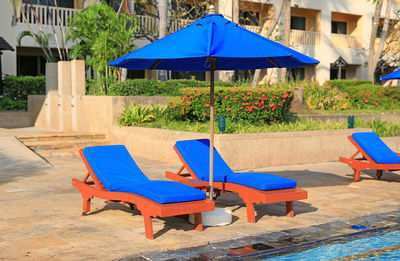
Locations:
column 217, row 217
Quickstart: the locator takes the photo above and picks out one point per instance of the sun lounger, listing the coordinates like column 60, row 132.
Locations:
column 374, row 155
column 253, row 188
column 116, row 177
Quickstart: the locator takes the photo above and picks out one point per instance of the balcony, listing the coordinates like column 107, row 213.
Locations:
column 346, row 41
column 44, row 15
column 300, row 37
column 253, row 28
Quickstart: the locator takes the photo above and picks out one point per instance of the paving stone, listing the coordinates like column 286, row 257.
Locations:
column 42, row 214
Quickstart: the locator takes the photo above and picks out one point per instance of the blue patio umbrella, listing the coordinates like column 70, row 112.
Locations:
column 208, row 44
column 392, row 76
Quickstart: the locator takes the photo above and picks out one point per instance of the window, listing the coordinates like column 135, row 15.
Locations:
column 379, row 32
column 31, row 65
column 189, row 11
column 298, row 23
column 249, row 18
column 339, row 27
column 136, row 74
column 335, row 73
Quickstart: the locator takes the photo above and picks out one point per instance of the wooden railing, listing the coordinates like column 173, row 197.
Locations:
column 304, row 37
column 253, row 28
column 149, row 24
column 346, row 41
column 44, row 15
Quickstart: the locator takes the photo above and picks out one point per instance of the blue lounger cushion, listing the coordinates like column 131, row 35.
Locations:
column 196, row 153
column 117, row 171
column 376, row 148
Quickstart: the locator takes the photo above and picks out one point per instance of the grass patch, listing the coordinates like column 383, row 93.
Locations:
column 354, row 111
column 381, row 128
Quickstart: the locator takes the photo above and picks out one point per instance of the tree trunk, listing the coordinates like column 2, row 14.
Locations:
column 162, row 30
column 286, row 32
column 385, row 30
column 235, row 16
column 277, row 15
column 371, row 53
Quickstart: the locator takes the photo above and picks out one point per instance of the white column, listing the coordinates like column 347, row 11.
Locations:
column 322, row 70
column 77, row 89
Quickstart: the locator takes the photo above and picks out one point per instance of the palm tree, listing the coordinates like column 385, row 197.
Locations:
column 15, row 6
column 373, row 57
column 267, row 34
column 286, row 32
column 162, row 29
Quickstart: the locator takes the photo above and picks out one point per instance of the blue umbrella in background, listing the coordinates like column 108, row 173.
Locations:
column 392, row 76
column 209, row 44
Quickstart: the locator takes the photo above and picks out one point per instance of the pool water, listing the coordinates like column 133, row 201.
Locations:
column 378, row 247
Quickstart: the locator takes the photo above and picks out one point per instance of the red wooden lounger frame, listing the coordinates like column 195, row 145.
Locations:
column 147, row 207
column 366, row 162
column 250, row 196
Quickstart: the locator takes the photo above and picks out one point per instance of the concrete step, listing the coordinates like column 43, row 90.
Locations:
column 62, row 137
column 58, row 153
column 64, row 144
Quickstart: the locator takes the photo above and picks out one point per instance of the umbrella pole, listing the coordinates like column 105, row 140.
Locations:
column 212, row 127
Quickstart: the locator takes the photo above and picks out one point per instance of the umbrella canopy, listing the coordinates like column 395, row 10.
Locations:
column 235, row 48
column 392, row 76
column 209, row 44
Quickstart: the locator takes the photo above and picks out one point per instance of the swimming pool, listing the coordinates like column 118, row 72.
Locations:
column 382, row 246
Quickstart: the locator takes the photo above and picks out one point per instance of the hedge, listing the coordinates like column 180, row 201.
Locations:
column 343, row 84
column 148, row 87
column 370, row 95
column 252, row 105
column 19, row 87
column 7, row 104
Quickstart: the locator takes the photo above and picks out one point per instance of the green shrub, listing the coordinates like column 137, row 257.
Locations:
column 7, row 104
column 374, row 96
column 238, row 104
column 325, row 97
column 148, row 87
column 137, row 114
column 342, row 84
column 93, row 87
column 135, row 87
column 19, row 87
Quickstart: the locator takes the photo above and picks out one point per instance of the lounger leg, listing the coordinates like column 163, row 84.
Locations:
column 251, row 218
column 379, row 173
column 86, row 206
column 148, row 227
column 198, row 221
column 289, row 209
column 356, row 175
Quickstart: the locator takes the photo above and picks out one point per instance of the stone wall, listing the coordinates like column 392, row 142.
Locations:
column 246, row 151
column 15, row 119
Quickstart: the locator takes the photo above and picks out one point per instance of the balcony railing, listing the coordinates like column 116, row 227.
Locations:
column 253, row 28
column 304, row 37
column 47, row 15
column 149, row 24
column 346, row 41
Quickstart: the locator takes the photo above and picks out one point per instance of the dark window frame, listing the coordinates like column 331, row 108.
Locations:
column 249, row 18
column 335, row 27
column 298, row 23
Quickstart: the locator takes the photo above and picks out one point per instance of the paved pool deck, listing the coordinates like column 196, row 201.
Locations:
column 40, row 211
